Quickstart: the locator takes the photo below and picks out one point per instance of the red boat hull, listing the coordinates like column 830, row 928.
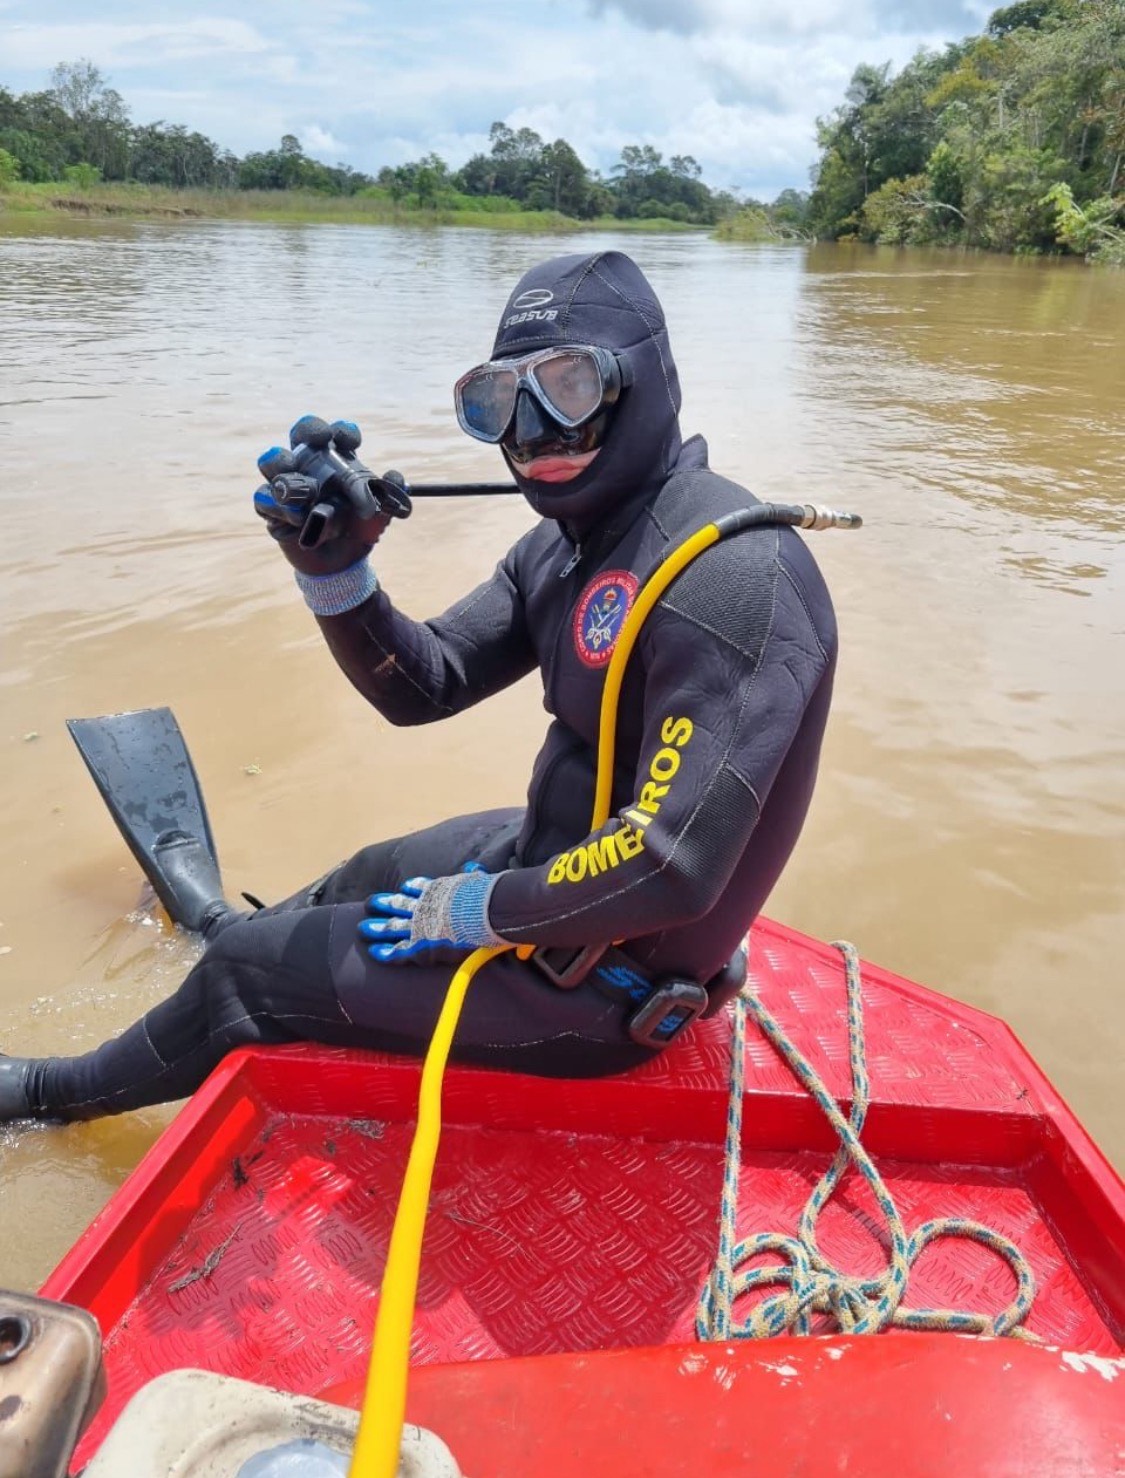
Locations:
column 934, row 1405
column 581, row 1216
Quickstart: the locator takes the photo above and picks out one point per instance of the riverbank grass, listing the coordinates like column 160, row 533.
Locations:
column 373, row 207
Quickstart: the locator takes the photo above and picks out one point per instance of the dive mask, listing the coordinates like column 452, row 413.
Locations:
column 572, row 383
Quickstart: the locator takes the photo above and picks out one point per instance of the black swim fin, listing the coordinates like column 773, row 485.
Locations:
column 141, row 765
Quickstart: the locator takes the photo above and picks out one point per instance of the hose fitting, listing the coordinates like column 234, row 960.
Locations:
column 818, row 517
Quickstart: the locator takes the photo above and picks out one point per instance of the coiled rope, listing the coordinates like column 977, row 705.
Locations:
column 812, row 1284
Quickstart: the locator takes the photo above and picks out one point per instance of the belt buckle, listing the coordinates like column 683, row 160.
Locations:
column 566, row 966
column 671, row 1007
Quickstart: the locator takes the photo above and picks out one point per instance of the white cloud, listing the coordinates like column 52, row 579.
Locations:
column 321, row 144
column 128, row 46
column 768, row 19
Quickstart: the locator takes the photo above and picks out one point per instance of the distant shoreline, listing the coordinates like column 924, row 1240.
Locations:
column 153, row 202
column 130, row 202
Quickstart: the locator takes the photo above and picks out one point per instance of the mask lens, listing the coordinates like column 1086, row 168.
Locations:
column 486, row 399
column 572, row 385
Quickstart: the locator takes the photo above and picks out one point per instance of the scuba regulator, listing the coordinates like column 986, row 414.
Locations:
column 318, row 480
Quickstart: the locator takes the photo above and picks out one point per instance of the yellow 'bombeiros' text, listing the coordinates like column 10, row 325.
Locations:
column 609, row 851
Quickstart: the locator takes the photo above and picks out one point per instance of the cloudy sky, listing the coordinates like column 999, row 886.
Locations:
column 736, row 83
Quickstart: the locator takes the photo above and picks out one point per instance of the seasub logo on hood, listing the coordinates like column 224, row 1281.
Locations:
column 534, row 304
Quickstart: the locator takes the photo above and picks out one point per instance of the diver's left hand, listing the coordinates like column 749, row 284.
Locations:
column 429, row 914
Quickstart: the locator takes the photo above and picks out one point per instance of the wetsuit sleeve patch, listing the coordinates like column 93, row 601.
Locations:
column 600, row 615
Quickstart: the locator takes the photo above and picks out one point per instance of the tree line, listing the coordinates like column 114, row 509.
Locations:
column 78, row 130
column 1013, row 140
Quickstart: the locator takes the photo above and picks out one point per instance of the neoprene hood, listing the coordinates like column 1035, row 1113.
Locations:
column 605, row 299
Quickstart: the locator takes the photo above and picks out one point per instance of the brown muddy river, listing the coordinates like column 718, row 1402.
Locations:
column 969, row 828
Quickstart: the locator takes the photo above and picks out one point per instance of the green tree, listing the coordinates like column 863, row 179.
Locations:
column 989, row 125
column 895, row 213
column 477, row 176
column 98, row 116
column 842, row 179
column 837, row 193
column 163, row 155
column 1004, row 206
column 82, row 176
column 750, row 223
column 517, row 160
column 35, row 131
column 564, row 183
column 431, row 179
column 789, row 214
column 645, row 186
column 633, row 176
column 9, row 168
column 946, row 174
column 1093, row 231
column 1026, row 14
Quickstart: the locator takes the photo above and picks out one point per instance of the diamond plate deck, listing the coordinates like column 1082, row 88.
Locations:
column 582, row 1215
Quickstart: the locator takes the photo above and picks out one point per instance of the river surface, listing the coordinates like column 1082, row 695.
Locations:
column 969, row 827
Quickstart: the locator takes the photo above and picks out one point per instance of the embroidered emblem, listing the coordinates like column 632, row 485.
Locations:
column 601, row 614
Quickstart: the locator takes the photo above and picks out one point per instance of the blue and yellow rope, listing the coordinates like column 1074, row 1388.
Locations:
column 813, row 1284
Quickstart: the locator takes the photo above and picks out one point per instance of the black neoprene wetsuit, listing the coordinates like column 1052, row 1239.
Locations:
column 719, row 731
column 719, row 727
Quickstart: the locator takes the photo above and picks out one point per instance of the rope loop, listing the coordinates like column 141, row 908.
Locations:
column 810, row 1284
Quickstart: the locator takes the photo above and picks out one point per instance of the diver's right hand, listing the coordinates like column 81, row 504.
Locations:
column 340, row 552
column 353, row 529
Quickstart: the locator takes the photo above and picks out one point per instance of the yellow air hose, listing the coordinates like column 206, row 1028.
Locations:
column 377, row 1444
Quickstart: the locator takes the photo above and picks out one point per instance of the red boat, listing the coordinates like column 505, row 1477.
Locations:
column 572, row 1226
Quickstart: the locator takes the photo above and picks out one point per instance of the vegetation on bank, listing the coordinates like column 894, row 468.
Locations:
column 296, row 206
column 77, row 135
column 1014, row 140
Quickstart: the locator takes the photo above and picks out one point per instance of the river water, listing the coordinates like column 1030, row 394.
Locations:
column 969, row 828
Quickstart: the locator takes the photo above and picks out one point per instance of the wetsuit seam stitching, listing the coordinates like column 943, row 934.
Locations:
column 660, row 529
column 746, row 784
column 335, row 992
column 155, row 1049
column 800, row 596
column 586, row 271
column 652, row 333
column 482, row 594
column 198, row 1047
column 562, row 1036
column 414, row 683
column 713, row 631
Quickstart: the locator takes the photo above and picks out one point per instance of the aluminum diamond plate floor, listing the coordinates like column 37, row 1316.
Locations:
column 570, row 1216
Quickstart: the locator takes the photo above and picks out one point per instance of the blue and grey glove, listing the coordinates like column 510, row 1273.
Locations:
column 429, row 914
column 334, row 575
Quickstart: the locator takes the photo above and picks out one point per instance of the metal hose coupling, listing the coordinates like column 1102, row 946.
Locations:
column 817, row 517
column 790, row 515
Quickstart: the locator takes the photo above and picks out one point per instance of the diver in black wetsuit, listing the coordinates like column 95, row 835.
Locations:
column 721, row 719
